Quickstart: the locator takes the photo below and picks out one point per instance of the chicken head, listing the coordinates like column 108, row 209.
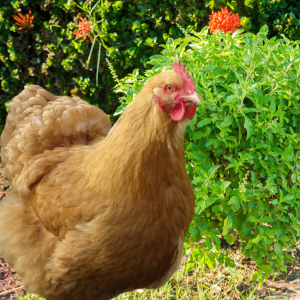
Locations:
column 179, row 99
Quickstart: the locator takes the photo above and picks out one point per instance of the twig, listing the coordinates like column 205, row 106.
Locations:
column 13, row 290
column 277, row 285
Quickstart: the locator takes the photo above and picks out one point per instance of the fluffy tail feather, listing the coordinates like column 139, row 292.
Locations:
column 37, row 125
column 22, row 107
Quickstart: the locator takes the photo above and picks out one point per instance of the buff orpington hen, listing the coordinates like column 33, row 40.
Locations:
column 96, row 211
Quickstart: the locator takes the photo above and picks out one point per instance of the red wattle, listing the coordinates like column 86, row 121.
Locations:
column 190, row 111
column 177, row 111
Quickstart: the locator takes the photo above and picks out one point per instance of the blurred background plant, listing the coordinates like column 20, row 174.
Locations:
column 44, row 50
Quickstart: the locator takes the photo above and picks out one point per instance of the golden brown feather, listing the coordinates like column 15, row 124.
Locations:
column 93, row 215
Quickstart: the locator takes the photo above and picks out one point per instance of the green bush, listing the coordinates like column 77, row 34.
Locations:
column 242, row 148
column 131, row 31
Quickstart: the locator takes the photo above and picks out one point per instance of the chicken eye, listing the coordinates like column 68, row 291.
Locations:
column 169, row 88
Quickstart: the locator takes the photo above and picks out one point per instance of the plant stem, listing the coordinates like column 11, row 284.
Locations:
column 98, row 63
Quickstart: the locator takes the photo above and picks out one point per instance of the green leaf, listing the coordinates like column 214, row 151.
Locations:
column 200, row 156
column 256, row 240
column 273, row 106
column 248, row 126
column 288, row 198
column 233, row 200
column 211, row 142
column 264, row 30
column 237, row 32
column 253, row 177
column 252, row 219
column 267, row 269
column 267, row 99
column 229, row 262
column 194, row 232
column 230, row 239
column 230, row 98
column 190, row 266
column 210, row 260
column 227, row 121
column 272, row 232
column 204, row 122
column 221, row 258
column 277, row 247
column 198, row 135
column 288, row 153
column 213, row 170
column 227, row 225
column 284, row 238
column 232, row 138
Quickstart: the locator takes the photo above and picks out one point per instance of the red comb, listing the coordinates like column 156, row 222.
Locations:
column 180, row 70
column 188, row 82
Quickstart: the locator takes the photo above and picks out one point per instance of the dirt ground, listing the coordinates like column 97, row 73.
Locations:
column 286, row 286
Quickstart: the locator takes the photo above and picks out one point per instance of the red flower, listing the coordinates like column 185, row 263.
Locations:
column 224, row 21
column 84, row 29
column 25, row 22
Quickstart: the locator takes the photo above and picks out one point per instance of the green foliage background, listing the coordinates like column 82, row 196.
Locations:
column 242, row 148
column 131, row 32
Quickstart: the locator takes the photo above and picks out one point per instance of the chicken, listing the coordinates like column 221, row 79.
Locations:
column 93, row 211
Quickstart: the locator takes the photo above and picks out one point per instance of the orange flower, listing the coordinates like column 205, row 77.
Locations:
column 74, row 92
column 25, row 22
column 84, row 29
column 224, row 21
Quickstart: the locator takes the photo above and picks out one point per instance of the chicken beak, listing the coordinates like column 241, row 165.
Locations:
column 193, row 98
